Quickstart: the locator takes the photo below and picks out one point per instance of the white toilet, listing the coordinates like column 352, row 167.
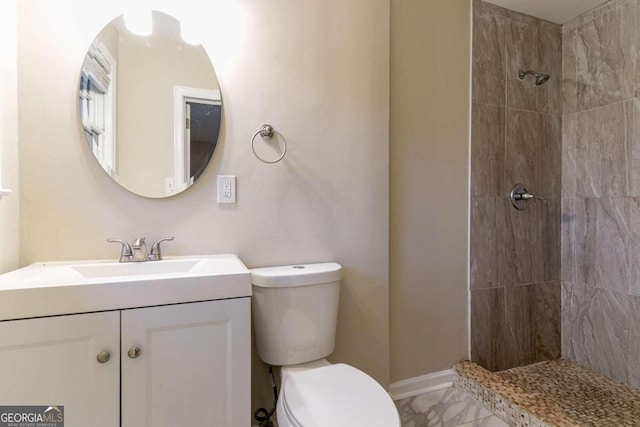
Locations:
column 295, row 310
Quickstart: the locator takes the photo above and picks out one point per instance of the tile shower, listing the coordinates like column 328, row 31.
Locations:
column 563, row 276
column 516, row 138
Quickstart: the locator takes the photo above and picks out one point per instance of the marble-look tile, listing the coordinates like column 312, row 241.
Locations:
column 584, row 235
column 633, row 362
column 549, row 45
column 611, row 249
column 520, row 260
column 567, row 246
column 549, row 239
column 569, row 141
column 522, row 54
column 588, row 152
column 566, row 325
column 605, row 58
column 547, row 320
column 522, row 149
column 600, row 331
column 489, row 61
column 550, row 156
column 487, row 150
column 484, row 242
column 491, row 421
column 520, row 327
column 569, row 76
column 633, row 250
column 449, row 407
column 633, row 170
column 488, row 327
column 616, row 138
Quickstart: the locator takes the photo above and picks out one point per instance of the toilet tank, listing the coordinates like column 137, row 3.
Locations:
column 295, row 310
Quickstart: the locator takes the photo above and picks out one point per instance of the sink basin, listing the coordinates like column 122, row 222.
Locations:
column 45, row 289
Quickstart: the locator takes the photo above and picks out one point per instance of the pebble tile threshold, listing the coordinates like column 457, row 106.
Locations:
column 555, row 393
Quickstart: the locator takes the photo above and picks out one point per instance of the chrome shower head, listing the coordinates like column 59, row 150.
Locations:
column 540, row 78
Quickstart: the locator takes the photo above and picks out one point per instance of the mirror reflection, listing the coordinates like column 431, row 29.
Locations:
column 150, row 107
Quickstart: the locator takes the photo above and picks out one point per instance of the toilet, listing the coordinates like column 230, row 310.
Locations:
column 295, row 311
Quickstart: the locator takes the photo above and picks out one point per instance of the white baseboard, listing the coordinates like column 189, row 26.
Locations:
column 423, row 384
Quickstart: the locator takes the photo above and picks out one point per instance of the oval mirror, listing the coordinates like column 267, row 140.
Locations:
column 150, row 106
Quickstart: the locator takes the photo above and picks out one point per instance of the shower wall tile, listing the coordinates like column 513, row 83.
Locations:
column 601, row 180
column 522, row 54
column 566, row 317
column 600, row 330
column 549, row 45
column 547, row 320
column 588, row 152
column 569, row 70
column 584, row 235
column 633, row 362
column 489, row 62
column 522, row 262
column 549, row 231
column 605, row 58
column 550, row 156
column 616, row 140
column 633, row 262
column 516, row 137
column 633, row 167
column 522, row 149
column 487, row 150
column 612, row 242
column 567, row 244
column 520, row 326
column 569, row 137
column 484, row 242
column 488, row 345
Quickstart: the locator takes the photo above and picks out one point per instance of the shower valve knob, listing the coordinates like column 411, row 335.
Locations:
column 519, row 196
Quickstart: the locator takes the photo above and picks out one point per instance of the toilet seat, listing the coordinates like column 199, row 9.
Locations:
column 335, row 396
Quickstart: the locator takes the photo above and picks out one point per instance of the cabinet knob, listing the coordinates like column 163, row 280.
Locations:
column 103, row 357
column 133, row 352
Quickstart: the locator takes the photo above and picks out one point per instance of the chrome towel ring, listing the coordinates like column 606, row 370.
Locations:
column 267, row 132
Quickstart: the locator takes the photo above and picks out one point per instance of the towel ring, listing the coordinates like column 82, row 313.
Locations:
column 267, row 132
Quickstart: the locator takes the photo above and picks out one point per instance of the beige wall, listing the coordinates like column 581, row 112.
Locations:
column 318, row 71
column 9, row 230
column 429, row 190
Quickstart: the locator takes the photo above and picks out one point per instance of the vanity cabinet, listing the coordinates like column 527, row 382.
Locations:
column 172, row 365
column 52, row 361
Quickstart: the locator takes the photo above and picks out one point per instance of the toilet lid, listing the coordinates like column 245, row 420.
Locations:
column 339, row 396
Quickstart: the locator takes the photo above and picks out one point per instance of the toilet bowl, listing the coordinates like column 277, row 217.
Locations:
column 295, row 311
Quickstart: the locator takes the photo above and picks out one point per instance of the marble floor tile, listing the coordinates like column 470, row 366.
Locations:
column 491, row 421
column 443, row 408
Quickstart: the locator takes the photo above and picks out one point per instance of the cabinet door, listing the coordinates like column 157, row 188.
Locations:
column 53, row 361
column 193, row 368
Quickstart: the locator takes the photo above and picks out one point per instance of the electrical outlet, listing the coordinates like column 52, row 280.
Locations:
column 226, row 189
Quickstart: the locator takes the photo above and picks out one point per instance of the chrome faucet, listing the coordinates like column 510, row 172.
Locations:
column 156, row 252
column 137, row 251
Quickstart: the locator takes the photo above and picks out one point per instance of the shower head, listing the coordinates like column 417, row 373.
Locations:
column 540, row 78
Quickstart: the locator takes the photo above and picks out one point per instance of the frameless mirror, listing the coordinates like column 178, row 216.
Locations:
column 150, row 107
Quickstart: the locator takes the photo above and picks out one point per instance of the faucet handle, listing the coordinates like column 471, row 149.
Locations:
column 126, row 253
column 156, row 252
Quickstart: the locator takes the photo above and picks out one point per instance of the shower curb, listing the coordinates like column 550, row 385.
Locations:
column 505, row 400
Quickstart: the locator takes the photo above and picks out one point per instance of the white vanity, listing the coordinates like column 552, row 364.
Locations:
column 163, row 343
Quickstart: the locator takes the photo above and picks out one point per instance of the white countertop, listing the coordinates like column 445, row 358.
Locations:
column 54, row 288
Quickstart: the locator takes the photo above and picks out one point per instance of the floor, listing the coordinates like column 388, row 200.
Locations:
column 448, row 407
